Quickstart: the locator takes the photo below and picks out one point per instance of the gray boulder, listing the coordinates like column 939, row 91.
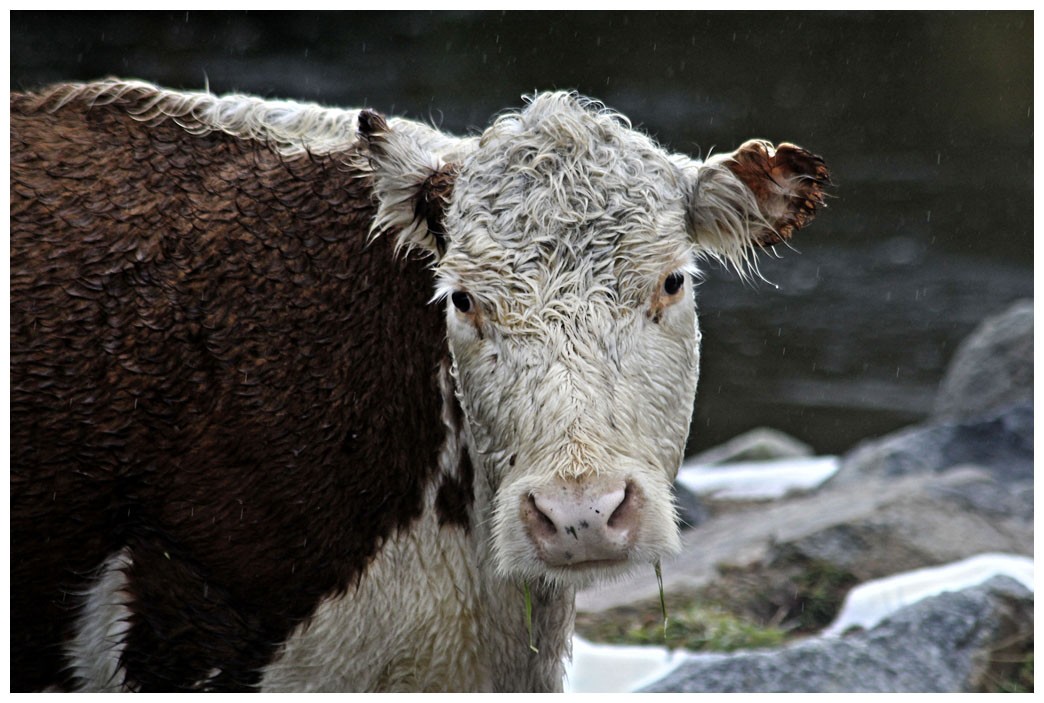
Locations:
column 952, row 642
column 1000, row 440
column 992, row 367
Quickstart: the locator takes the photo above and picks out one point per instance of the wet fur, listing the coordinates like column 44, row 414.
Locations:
column 243, row 454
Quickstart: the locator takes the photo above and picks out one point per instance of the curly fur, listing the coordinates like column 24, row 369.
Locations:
column 254, row 453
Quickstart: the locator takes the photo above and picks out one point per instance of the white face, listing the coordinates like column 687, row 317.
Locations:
column 565, row 243
column 573, row 331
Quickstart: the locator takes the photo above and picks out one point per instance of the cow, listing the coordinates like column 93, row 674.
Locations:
column 305, row 398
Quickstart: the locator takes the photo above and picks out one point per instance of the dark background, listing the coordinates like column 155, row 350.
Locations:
column 924, row 118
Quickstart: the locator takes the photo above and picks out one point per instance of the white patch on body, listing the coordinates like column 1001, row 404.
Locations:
column 95, row 650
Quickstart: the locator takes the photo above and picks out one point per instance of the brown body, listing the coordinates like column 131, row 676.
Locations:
column 211, row 369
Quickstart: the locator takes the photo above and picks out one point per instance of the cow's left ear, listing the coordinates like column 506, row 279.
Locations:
column 756, row 196
column 412, row 186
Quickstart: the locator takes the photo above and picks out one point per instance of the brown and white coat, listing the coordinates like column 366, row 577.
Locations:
column 249, row 451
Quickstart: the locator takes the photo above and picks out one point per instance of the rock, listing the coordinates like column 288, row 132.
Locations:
column 756, row 445
column 955, row 487
column 1001, row 440
column 979, row 490
column 759, row 444
column 992, row 367
column 953, row 642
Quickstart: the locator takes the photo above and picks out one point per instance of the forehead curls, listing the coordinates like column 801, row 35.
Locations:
column 581, row 160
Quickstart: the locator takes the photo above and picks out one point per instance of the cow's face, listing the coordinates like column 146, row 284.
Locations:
column 566, row 244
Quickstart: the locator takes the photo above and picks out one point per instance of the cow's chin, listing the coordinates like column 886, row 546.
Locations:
column 517, row 559
column 531, row 569
column 596, row 572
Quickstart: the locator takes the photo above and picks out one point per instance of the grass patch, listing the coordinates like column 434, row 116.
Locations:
column 794, row 593
column 820, row 593
column 746, row 608
column 689, row 626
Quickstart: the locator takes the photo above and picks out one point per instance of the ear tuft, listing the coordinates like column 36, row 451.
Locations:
column 412, row 185
column 788, row 182
column 757, row 196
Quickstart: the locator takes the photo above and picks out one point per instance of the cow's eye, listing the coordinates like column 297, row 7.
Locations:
column 461, row 301
column 673, row 283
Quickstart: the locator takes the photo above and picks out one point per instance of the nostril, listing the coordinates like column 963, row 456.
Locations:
column 540, row 519
column 623, row 515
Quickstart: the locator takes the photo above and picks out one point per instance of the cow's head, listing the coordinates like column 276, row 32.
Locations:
column 565, row 245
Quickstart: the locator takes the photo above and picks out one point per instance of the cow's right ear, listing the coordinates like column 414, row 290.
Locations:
column 412, row 186
column 756, row 196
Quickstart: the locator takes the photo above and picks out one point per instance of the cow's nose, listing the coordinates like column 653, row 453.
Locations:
column 574, row 524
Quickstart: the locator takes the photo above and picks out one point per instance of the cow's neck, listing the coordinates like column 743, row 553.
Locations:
column 431, row 602
column 513, row 661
